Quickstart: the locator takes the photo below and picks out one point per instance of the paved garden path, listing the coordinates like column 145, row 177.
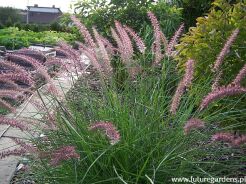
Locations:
column 63, row 82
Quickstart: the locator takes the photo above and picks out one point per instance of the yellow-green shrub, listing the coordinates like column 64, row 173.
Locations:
column 204, row 42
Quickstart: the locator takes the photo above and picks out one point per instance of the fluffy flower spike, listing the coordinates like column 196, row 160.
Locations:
column 221, row 93
column 225, row 50
column 35, row 63
column 13, row 123
column 240, row 76
column 239, row 141
column 109, row 130
column 63, row 153
column 84, row 31
column 106, row 59
column 184, row 83
column 223, row 136
column 18, row 77
column 126, row 48
column 189, row 72
column 90, row 53
column 7, row 106
column 138, row 40
column 174, row 40
column 14, row 152
column 192, row 124
column 156, row 47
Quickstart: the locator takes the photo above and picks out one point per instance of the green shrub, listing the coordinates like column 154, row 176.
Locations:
column 9, row 16
column 204, row 42
column 193, row 9
column 132, row 13
column 13, row 38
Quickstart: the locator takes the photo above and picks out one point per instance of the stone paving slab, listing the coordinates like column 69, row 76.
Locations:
column 8, row 164
column 7, row 169
column 3, row 129
column 29, row 111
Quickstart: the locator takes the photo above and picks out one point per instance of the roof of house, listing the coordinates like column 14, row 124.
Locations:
column 44, row 9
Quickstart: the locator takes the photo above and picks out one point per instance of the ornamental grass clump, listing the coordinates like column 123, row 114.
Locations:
column 135, row 134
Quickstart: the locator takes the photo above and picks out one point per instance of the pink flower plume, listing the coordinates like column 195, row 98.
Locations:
column 109, row 130
column 192, row 124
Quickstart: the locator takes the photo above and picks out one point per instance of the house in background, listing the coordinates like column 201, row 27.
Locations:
column 42, row 15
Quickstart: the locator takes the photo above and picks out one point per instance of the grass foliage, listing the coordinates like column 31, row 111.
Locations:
column 152, row 146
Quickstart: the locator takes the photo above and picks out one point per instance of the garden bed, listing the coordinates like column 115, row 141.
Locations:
column 138, row 116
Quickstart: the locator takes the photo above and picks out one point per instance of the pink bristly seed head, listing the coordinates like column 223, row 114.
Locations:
column 174, row 40
column 221, row 93
column 239, row 141
column 192, row 124
column 84, row 31
column 183, row 84
column 225, row 50
column 109, row 130
column 189, row 72
column 125, row 48
column 13, row 123
column 14, row 152
column 223, row 136
column 18, row 77
column 240, row 76
column 106, row 59
column 62, row 154
column 35, row 63
column 7, row 106
column 156, row 46
column 138, row 40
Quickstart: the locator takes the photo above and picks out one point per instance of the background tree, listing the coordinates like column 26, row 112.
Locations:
column 102, row 13
column 9, row 16
column 191, row 9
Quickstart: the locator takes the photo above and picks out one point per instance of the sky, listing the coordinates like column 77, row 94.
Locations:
column 63, row 4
